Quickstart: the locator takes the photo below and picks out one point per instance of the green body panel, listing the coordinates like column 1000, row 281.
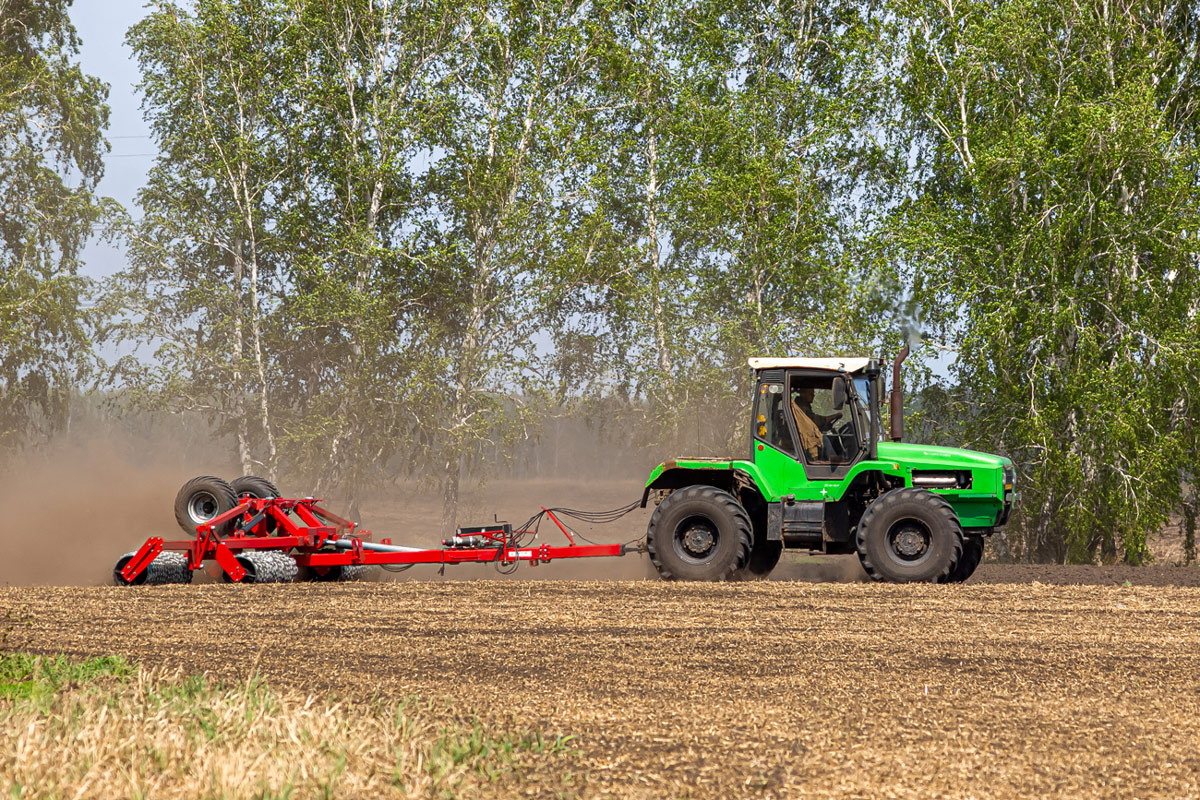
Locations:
column 777, row 475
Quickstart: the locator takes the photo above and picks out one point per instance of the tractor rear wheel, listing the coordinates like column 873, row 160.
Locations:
column 764, row 556
column 909, row 535
column 699, row 533
column 202, row 499
column 972, row 554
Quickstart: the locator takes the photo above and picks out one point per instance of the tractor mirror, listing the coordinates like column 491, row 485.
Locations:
column 839, row 394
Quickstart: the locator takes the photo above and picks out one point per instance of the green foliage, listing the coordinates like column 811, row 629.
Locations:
column 387, row 239
column 1051, row 234
column 52, row 117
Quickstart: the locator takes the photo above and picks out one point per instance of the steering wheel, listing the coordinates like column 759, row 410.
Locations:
column 840, row 436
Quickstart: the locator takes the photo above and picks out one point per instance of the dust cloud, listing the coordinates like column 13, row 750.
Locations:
column 71, row 508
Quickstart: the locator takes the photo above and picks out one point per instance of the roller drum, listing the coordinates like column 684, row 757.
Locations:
column 166, row 568
column 349, row 572
column 267, row 566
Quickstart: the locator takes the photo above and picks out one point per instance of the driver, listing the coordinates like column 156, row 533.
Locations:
column 802, row 400
column 808, row 422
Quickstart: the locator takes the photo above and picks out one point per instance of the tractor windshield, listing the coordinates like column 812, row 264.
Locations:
column 828, row 435
column 862, row 387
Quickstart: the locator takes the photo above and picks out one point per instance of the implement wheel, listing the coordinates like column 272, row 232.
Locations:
column 258, row 488
column 700, row 533
column 972, row 554
column 202, row 499
column 909, row 535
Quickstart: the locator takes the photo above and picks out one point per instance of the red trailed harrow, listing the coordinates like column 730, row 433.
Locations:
column 256, row 537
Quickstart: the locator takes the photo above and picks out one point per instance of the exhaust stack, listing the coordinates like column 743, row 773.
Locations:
column 896, row 397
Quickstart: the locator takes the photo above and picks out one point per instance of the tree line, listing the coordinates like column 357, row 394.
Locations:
column 394, row 238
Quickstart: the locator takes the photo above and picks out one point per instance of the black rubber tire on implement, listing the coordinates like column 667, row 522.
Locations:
column 201, row 499
column 972, row 554
column 258, row 488
column 700, row 533
column 119, row 579
column 909, row 535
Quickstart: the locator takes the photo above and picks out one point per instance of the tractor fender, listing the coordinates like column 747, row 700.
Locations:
column 721, row 474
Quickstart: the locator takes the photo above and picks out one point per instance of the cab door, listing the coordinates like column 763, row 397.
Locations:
column 774, row 438
column 824, row 399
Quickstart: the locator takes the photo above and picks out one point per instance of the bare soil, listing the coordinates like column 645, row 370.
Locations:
column 777, row 689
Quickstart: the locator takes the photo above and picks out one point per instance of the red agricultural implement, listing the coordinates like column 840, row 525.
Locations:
column 255, row 537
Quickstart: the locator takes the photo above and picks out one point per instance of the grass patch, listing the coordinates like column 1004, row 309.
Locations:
column 23, row 675
column 102, row 727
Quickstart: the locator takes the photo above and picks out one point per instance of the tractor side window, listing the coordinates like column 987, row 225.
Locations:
column 770, row 424
column 827, row 433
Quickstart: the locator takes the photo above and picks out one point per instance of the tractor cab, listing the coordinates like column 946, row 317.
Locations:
column 821, row 413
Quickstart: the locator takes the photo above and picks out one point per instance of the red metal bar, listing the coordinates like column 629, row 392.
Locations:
column 561, row 527
column 228, row 562
column 483, row 555
column 142, row 558
column 220, row 519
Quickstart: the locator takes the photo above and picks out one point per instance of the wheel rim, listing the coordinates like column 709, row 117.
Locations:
column 696, row 540
column 909, row 542
column 203, row 506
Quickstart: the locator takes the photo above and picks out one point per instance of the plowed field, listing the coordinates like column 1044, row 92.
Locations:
column 767, row 690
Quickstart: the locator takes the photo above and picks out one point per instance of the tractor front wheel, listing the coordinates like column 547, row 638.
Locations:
column 909, row 535
column 699, row 533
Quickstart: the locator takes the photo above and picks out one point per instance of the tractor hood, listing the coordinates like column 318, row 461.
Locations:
column 921, row 455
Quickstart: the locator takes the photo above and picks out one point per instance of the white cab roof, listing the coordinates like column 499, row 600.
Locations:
column 847, row 364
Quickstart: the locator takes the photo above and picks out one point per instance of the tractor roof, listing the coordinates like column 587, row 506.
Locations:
column 835, row 364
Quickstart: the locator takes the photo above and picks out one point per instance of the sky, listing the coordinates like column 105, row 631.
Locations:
column 101, row 25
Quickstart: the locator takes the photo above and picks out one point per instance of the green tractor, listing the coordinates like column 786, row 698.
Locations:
column 818, row 479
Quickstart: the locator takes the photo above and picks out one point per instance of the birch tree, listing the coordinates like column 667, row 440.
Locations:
column 506, row 224
column 1052, row 236
column 357, row 110
column 201, row 264
column 52, row 121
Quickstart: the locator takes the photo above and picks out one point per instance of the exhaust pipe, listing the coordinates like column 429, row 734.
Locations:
column 896, row 397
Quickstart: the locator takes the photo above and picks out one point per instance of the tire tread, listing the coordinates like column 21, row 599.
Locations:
column 893, row 498
column 715, row 495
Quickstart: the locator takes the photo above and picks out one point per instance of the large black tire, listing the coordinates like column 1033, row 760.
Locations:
column 909, row 535
column 764, row 556
column 972, row 554
column 700, row 533
column 258, row 488
column 202, row 499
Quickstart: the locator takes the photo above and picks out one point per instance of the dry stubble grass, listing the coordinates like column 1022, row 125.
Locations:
column 137, row 733
column 769, row 690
